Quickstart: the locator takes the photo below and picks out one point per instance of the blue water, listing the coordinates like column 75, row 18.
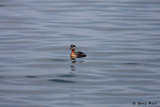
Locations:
column 121, row 39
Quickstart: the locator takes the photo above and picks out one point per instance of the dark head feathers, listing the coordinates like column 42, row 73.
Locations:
column 73, row 46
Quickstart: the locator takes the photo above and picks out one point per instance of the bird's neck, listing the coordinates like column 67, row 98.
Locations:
column 73, row 50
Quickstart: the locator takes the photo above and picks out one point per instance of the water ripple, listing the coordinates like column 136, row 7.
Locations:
column 120, row 38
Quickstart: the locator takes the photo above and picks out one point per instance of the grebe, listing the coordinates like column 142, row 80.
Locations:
column 78, row 54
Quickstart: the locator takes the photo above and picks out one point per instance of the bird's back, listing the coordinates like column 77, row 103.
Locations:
column 80, row 54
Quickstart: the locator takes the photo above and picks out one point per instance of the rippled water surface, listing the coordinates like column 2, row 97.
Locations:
column 120, row 37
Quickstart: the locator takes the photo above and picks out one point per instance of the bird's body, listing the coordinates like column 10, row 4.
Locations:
column 78, row 54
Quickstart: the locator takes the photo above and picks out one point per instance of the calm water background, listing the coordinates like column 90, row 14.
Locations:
column 120, row 37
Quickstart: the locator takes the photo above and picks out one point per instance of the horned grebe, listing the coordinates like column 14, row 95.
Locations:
column 78, row 54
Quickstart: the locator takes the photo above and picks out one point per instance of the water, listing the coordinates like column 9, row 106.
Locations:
column 121, row 39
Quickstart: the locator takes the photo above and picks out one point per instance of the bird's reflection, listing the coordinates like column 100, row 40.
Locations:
column 73, row 60
column 72, row 64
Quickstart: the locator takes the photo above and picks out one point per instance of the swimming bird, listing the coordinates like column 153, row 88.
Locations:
column 74, row 54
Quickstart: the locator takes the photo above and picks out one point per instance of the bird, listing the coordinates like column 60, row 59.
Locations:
column 74, row 54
